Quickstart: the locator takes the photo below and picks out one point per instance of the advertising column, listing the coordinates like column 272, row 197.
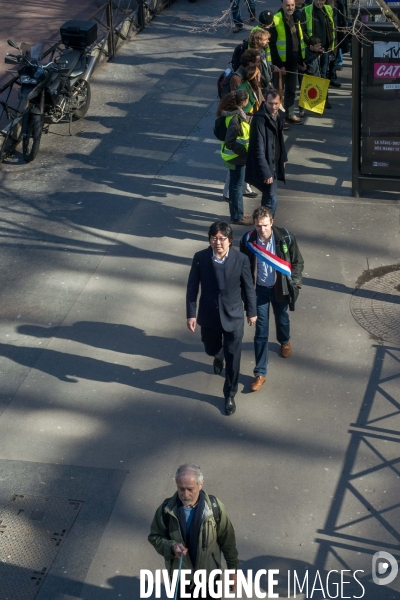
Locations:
column 381, row 106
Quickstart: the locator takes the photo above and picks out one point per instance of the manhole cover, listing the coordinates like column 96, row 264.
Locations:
column 376, row 307
column 32, row 530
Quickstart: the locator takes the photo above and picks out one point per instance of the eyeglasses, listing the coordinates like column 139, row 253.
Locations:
column 214, row 240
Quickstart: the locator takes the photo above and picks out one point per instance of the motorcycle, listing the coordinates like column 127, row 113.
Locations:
column 52, row 92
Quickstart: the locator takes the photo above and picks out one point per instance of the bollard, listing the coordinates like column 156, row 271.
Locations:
column 141, row 14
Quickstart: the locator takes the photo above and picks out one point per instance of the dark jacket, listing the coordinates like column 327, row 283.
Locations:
column 286, row 289
column 220, row 306
column 312, row 62
column 290, row 61
column 266, row 138
column 322, row 27
column 232, row 133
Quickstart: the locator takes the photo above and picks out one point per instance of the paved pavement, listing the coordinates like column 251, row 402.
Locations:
column 104, row 391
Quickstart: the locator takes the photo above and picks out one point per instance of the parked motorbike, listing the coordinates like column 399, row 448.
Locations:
column 56, row 91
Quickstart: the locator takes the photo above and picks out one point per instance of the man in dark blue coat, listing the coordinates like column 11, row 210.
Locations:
column 225, row 278
column 267, row 157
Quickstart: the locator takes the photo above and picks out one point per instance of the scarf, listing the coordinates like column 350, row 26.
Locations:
column 191, row 537
column 271, row 259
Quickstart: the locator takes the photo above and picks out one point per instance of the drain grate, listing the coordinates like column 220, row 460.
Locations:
column 32, row 530
column 376, row 307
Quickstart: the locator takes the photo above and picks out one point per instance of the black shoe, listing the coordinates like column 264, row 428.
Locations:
column 250, row 194
column 218, row 366
column 225, row 198
column 328, row 104
column 335, row 83
column 230, row 406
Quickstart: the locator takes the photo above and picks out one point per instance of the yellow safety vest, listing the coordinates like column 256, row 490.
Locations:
column 266, row 49
column 281, row 37
column 228, row 155
column 309, row 21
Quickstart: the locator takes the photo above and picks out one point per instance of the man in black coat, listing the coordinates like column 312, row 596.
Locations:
column 225, row 277
column 266, row 158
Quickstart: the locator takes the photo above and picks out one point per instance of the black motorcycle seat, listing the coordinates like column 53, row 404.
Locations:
column 79, row 68
column 69, row 59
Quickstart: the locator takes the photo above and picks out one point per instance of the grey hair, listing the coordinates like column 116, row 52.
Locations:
column 191, row 468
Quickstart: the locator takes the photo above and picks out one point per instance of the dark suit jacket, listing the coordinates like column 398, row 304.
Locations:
column 226, row 306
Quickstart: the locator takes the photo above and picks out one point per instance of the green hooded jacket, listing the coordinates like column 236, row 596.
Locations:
column 213, row 538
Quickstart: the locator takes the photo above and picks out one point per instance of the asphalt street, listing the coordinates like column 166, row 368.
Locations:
column 105, row 392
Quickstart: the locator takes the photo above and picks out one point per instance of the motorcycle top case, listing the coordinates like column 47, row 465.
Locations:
column 78, row 34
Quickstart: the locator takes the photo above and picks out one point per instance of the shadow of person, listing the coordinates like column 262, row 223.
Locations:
column 162, row 365
column 129, row 587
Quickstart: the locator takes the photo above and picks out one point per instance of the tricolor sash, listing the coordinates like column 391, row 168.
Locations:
column 271, row 259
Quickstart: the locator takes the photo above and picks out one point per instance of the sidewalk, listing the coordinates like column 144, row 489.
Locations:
column 105, row 392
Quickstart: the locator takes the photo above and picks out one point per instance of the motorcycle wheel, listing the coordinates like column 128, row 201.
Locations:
column 31, row 139
column 86, row 95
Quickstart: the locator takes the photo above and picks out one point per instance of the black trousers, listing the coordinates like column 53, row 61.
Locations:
column 215, row 339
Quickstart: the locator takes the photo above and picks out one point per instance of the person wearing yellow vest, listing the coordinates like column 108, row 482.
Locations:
column 259, row 39
column 234, row 149
column 265, row 22
column 318, row 22
column 288, row 51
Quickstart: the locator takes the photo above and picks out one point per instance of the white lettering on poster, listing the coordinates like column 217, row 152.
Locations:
column 387, row 49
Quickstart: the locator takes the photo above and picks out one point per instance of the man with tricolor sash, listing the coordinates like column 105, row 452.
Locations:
column 276, row 265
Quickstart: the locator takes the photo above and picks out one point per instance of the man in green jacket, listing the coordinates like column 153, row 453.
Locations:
column 196, row 525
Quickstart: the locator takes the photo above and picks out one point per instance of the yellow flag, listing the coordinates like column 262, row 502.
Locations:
column 313, row 93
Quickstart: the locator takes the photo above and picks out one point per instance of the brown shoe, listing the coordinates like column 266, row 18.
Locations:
column 245, row 221
column 257, row 383
column 295, row 120
column 286, row 349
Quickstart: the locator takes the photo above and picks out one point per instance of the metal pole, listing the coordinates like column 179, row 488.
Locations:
column 356, row 114
column 141, row 14
column 110, row 25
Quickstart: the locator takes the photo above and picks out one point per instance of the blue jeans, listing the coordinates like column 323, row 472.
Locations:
column 236, row 178
column 265, row 297
column 270, row 195
column 324, row 64
column 236, row 14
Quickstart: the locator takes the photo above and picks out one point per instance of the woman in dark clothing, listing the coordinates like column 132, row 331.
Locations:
column 234, row 149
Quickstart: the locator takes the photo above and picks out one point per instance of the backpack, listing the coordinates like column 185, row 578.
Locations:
column 214, row 505
column 224, row 83
column 237, row 54
column 220, row 129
